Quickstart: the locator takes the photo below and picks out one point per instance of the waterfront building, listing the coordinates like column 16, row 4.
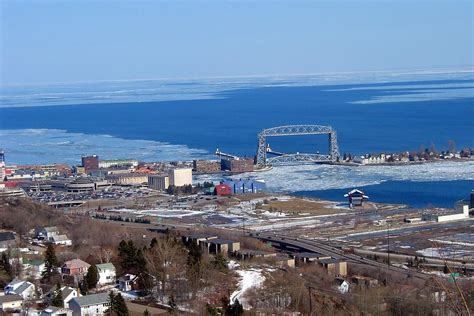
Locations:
column 206, row 166
column 128, row 178
column 180, row 177
column 237, row 165
column 356, row 197
column 462, row 213
column 159, row 182
column 245, row 186
column 90, row 163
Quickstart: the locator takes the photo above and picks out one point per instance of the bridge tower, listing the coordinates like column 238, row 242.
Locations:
column 296, row 130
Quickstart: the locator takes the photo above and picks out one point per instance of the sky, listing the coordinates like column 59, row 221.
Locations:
column 68, row 41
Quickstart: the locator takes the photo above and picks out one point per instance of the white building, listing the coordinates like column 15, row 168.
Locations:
column 444, row 217
column 127, row 282
column 67, row 293
column 158, row 182
column 10, row 303
column 23, row 288
column 56, row 311
column 181, row 176
column 118, row 163
column 34, row 268
column 47, row 232
column 106, row 273
column 61, row 240
column 94, row 304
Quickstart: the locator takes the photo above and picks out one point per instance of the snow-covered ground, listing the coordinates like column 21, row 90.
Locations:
column 249, row 278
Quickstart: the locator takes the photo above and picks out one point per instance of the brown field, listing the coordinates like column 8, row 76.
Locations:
column 297, row 205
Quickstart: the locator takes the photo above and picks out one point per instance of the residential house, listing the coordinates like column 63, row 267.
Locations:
column 34, row 267
column 127, row 282
column 56, row 311
column 94, row 304
column 342, row 285
column 7, row 239
column 23, row 288
column 75, row 268
column 60, row 240
column 46, row 233
column 67, row 293
column 106, row 273
column 10, row 303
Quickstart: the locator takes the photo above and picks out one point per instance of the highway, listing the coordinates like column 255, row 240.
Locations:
column 336, row 253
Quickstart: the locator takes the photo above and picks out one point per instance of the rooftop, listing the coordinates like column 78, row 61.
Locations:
column 93, row 299
column 10, row 298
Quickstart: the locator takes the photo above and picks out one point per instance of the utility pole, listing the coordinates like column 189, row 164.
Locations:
column 388, row 243
column 310, row 301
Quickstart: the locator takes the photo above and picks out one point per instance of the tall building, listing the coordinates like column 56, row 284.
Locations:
column 158, row 182
column 90, row 163
column 2, row 165
column 180, row 177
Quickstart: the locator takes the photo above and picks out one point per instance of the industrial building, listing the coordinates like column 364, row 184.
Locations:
column 128, row 178
column 159, row 182
column 180, row 177
column 90, row 163
column 463, row 213
column 237, row 165
column 245, row 186
column 206, row 166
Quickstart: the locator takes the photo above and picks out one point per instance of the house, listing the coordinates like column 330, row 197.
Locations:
column 356, row 198
column 60, row 240
column 34, row 267
column 342, row 285
column 23, row 288
column 94, row 304
column 106, row 273
column 9, row 303
column 56, row 311
column 67, row 293
column 45, row 233
column 7, row 239
column 127, row 282
column 75, row 267
column 220, row 246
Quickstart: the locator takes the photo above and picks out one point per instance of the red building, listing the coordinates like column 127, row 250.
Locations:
column 222, row 190
column 90, row 163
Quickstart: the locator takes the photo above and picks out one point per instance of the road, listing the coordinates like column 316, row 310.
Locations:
column 318, row 247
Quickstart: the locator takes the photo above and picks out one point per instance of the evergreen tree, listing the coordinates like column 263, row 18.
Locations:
column 153, row 242
column 235, row 309
column 5, row 264
column 117, row 304
column 92, row 277
column 220, row 262
column 50, row 262
column 57, row 297
column 146, row 313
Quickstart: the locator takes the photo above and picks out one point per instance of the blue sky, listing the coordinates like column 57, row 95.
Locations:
column 66, row 41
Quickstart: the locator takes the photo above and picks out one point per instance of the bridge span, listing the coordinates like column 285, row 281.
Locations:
column 296, row 130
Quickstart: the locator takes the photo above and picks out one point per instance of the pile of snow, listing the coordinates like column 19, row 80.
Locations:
column 251, row 278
